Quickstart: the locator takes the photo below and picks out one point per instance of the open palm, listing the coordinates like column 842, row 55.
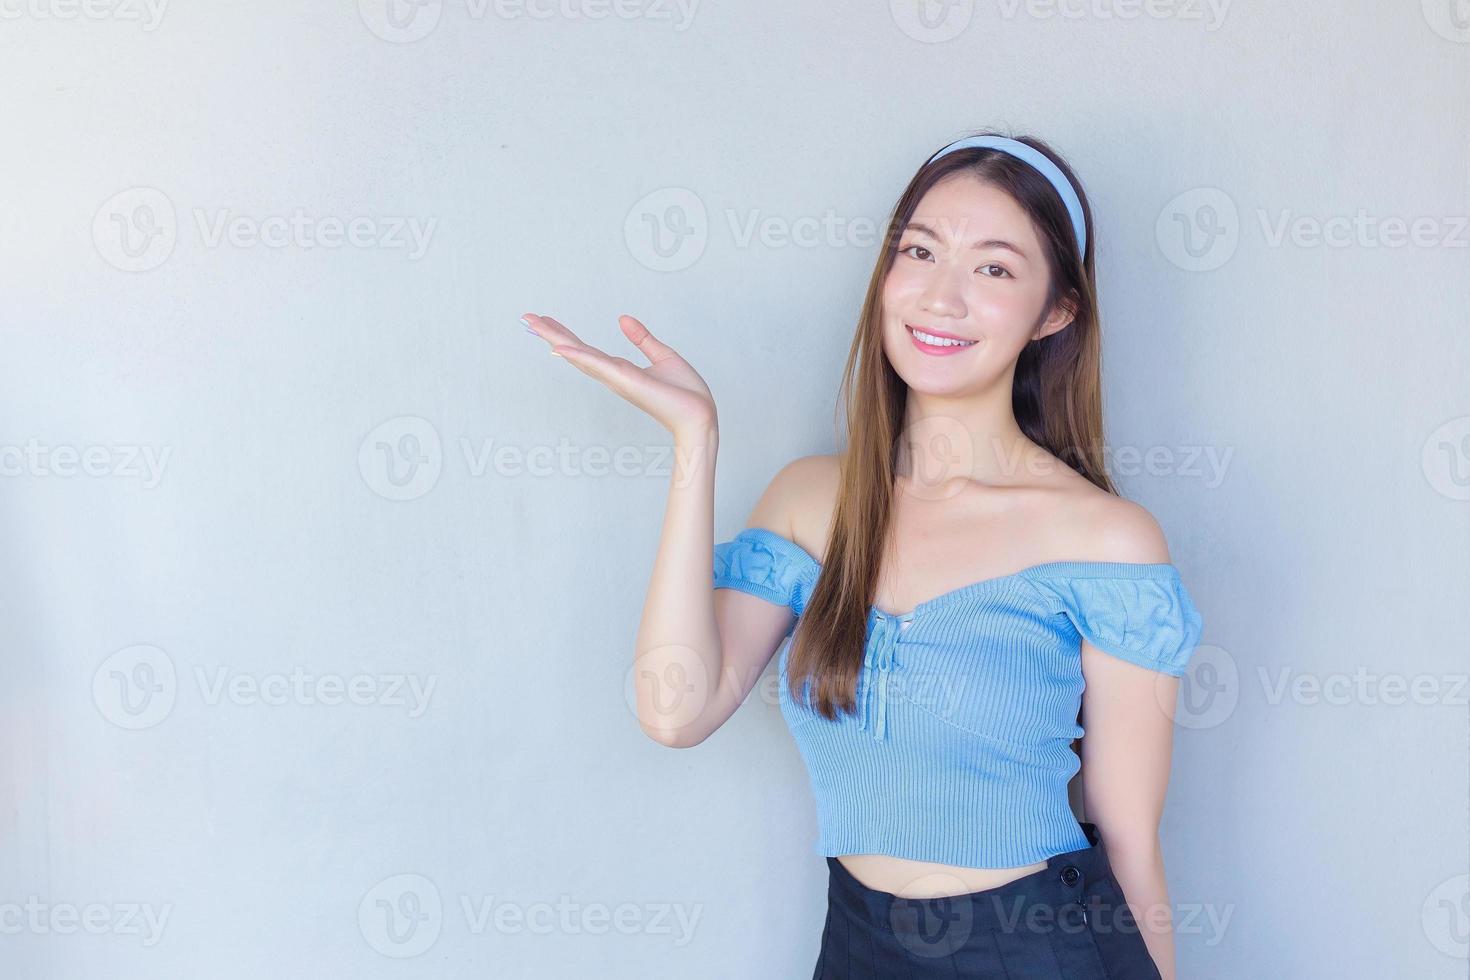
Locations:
column 668, row 388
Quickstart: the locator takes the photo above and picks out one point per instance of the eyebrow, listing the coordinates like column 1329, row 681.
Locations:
column 922, row 228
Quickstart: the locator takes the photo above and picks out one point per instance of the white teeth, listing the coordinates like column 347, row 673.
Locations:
column 934, row 341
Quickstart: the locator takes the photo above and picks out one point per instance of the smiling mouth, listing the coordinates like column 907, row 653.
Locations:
column 937, row 340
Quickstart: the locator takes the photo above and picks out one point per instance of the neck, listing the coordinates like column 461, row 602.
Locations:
column 973, row 438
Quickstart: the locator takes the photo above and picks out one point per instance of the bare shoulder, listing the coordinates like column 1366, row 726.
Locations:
column 1113, row 528
column 798, row 502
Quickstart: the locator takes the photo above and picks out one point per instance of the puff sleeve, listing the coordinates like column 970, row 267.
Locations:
column 767, row 565
column 1141, row 613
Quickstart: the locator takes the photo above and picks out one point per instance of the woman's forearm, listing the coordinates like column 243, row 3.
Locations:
column 1141, row 876
column 677, row 659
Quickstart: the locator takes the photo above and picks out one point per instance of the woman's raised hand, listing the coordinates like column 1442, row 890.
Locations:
column 668, row 388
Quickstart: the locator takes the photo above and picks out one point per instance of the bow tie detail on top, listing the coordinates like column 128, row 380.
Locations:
column 878, row 660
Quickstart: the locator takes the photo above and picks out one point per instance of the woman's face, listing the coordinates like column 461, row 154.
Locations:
column 970, row 266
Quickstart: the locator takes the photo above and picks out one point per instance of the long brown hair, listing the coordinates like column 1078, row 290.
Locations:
column 1056, row 397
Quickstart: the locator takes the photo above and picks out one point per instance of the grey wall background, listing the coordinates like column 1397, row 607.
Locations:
column 335, row 455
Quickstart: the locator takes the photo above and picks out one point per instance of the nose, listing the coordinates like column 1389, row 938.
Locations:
column 943, row 294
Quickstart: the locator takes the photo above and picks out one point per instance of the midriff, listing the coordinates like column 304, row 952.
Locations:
column 925, row 879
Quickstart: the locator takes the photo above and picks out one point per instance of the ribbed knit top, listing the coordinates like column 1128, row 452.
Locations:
column 960, row 751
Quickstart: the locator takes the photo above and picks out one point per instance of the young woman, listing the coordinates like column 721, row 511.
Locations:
column 982, row 592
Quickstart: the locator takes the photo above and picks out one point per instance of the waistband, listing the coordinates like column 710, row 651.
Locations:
column 1061, row 895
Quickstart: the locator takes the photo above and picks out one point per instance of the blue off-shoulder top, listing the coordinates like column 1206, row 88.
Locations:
column 960, row 751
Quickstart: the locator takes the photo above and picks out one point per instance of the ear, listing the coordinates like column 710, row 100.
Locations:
column 1061, row 315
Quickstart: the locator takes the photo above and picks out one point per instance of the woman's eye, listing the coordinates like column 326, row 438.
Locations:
column 911, row 248
column 995, row 265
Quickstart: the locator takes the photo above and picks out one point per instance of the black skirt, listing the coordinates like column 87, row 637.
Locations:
column 1065, row 922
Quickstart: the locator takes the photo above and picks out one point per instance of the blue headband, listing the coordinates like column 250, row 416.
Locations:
column 1041, row 162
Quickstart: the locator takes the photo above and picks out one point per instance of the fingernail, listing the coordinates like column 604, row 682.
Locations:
column 532, row 332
